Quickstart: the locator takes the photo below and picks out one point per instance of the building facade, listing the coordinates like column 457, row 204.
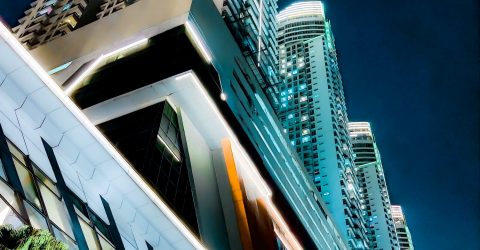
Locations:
column 313, row 114
column 45, row 21
column 373, row 188
column 401, row 227
column 162, row 123
column 253, row 25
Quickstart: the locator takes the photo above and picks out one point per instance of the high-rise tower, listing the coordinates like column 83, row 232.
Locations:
column 401, row 227
column 373, row 188
column 313, row 113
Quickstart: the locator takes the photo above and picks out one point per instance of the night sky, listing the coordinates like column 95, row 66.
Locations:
column 411, row 68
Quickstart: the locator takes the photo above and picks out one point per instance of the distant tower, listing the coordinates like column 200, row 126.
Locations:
column 401, row 227
column 313, row 114
column 374, row 194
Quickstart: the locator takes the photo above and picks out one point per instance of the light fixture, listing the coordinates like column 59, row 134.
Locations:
column 168, row 148
column 223, row 96
column 198, row 41
column 74, row 85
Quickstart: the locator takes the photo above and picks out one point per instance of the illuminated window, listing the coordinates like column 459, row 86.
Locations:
column 303, row 99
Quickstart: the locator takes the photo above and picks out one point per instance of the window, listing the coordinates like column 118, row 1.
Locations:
column 2, row 170
column 56, row 209
column 27, row 182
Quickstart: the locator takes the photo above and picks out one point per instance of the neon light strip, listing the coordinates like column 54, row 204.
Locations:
column 73, row 86
column 198, row 41
column 279, row 219
column 168, row 148
column 42, row 74
column 260, row 32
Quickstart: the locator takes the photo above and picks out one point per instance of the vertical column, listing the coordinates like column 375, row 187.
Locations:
column 117, row 239
column 62, row 187
column 7, row 160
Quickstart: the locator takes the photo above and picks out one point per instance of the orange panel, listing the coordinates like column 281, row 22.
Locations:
column 237, row 195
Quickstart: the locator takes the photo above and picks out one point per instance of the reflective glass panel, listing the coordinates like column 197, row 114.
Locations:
column 8, row 216
column 36, row 219
column 15, row 152
column 2, row 170
column 90, row 235
column 61, row 236
column 27, row 183
column 45, row 180
column 105, row 244
column 8, row 194
column 56, row 210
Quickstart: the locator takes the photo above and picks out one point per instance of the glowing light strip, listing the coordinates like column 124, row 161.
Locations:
column 279, row 219
column 73, row 86
column 301, row 9
column 168, row 148
column 198, row 41
column 252, row 171
column 59, row 93
column 260, row 32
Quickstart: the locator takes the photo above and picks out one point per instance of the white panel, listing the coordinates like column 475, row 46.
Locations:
column 81, row 137
column 96, row 154
column 45, row 104
column 13, row 62
column 110, row 170
column 68, row 150
column 50, row 133
column 37, row 154
column 65, row 119
column 7, row 109
column 98, row 183
column 30, row 114
column 113, row 197
column 9, row 86
column 124, row 183
column 26, row 80
column 141, row 225
column 10, row 130
column 84, row 167
column 126, row 211
column 138, row 198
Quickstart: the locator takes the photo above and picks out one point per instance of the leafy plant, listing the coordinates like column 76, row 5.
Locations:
column 28, row 238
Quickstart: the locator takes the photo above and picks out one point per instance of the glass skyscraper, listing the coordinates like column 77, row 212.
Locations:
column 373, row 187
column 403, row 233
column 312, row 111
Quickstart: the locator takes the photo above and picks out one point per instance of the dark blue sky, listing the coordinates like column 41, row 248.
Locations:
column 412, row 69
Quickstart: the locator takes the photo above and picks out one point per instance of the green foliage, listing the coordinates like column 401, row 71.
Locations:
column 28, row 238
